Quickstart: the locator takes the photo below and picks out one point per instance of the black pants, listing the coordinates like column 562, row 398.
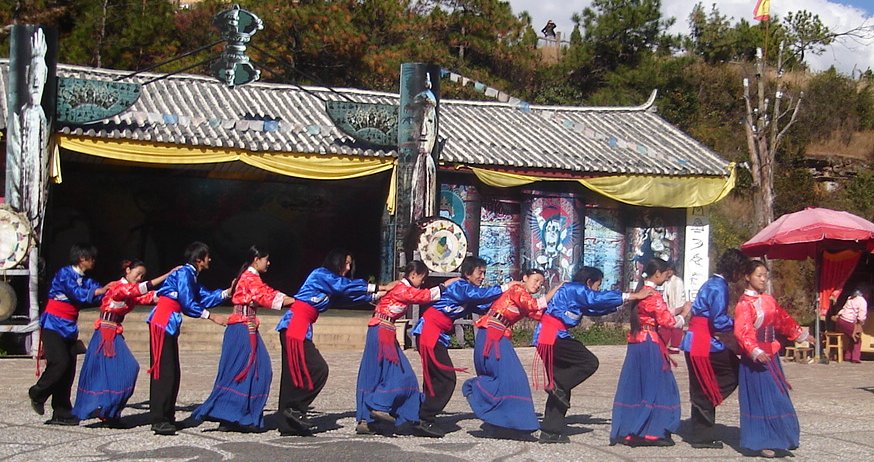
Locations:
column 725, row 364
column 164, row 390
column 443, row 383
column 573, row 363
column 57, row 379
column 295, row 398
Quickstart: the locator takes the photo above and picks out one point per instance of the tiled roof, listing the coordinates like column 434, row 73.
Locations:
column 198, row 110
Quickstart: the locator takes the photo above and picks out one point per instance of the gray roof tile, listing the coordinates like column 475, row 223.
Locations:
column 198, row 110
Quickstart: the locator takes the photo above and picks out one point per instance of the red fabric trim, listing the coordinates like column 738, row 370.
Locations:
column 62, row 310
column 699, row 354
column 252, row 326
column 549, row 327
column 303, row 316
column 158, row 330
column 386, row 338
column 494, row 333
column 434, row 324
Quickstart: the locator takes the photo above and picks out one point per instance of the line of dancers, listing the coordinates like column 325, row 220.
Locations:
column 646, row 408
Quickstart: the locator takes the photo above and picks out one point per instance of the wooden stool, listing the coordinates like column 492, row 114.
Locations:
column 799, row 352
column 834, row 342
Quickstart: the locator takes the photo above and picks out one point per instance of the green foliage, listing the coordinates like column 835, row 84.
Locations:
column 805, row 32
column 623, row 31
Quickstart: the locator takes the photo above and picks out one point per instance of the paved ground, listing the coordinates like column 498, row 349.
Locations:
column 835, row 405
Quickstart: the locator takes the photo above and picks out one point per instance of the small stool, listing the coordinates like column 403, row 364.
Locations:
column 834, row 342
column 800, row 353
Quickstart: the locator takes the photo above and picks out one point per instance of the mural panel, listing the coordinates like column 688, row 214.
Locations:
column 604, row 244
column 499, row 240
column 461, row 204
column 550, row 234
column 652, row 233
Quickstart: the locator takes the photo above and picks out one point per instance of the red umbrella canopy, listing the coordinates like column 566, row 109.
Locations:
column 797, row 236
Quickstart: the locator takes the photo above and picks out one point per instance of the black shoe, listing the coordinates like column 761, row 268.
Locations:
column 295, row 432
column 663, row 442
column 550, row 438
column 428, row 430
column 560, row 396
column 38, row 407
column 164, row 428
column 297, row 420
column 711, row 444
column 382, row 416
column 65, row 421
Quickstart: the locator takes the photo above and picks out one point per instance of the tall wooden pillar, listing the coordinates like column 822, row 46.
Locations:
column 414, row 128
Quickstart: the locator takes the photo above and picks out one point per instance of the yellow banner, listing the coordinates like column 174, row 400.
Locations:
column 309, row 166
column 642, row 190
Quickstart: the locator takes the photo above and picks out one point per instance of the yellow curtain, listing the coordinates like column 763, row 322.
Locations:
column 642, row 190
column 313, row 167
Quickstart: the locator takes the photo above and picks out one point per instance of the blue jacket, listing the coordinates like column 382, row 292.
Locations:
column 712, row 303
column 71, row 286
column 574, row 300
column 459, row 300
column 181, row 285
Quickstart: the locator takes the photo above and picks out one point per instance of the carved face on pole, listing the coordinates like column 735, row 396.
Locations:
column 37, row 71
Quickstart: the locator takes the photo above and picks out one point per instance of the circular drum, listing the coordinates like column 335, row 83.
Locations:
column 14, row 238
column 442, row 245
column 8, row 300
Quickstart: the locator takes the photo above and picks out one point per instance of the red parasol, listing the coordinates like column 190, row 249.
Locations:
column 800, row 235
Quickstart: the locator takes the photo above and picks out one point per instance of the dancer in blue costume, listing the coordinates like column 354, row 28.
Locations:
column 180, row 294
column 69, row 292
column 109, row 371
column 567, row 361
column 304, row 370
column 646, row 409
column 242, row 382
column 438, row 374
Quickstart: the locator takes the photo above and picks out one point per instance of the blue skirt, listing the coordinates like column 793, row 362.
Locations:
column 239, row 402
column 386, row 386
column 767, row 417
column 647, row 401
column 500, row 395
column 105, row 384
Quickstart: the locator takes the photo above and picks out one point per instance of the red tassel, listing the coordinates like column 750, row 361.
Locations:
column 157, row 331
column 253, row 345
column 549, row 327
column 434, row 324
column 40, row 354
column 303, row 316
column 778, row 376
column 494, row 334
column 107, row 340
column 387, row 341
column 699, row 353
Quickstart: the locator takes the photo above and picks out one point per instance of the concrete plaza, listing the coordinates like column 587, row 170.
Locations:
column 835, row 405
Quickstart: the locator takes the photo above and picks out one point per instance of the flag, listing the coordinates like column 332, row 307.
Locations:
column 762, row 11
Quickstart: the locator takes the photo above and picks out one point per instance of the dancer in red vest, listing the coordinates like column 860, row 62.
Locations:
column 109, row 372
column 180, row 294
column 69, row 292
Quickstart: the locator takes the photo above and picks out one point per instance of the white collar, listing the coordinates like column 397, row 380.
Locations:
column 406, row 282
column 719, row 275
column 78, row 270
column 252, row 270
column 752, row 293
column 650, row 284
column 123, row 280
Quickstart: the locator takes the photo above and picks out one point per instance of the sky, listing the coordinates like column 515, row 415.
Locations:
column 838, row 15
